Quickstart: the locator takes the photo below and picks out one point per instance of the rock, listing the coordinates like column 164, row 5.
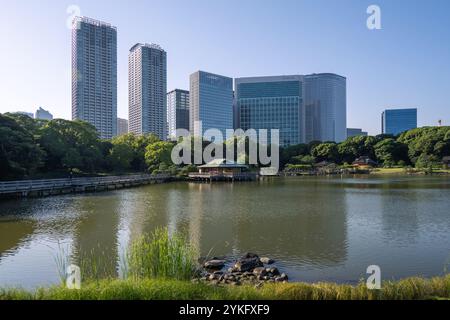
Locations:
column 260, row 271
column 283, row 277
column 273, row 271
column 266, row 260
column 248, row 262
column 249, row 255
column 214, row 264
column 213, row 277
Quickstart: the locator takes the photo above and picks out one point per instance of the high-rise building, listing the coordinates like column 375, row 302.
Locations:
column 353, row 132
column 396, row 121
column 147, row 81
column 43, row 114
column 272, row 103
column 211, row 102
column 94, row 74
column 28, row 114
column 177, row 111
column 325, row 107
column 122, row 126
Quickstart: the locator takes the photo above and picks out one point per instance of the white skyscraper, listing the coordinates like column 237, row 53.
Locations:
column 147, row 90
column 94, row 74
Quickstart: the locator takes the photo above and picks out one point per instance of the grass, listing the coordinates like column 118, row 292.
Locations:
column 160, row 255
column 158, row 289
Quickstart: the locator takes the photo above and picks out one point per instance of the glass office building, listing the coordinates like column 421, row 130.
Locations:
column 94, row 74
column 325, row 107
column 354, row 132
column 271, row 103
column 177, row 111
column 211, row 102
column 147, row 90
column 396, row 121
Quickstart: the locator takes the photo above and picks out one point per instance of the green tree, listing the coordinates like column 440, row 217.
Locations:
column 159, row 154
column 20, row 155
column 120, row 157
column 326, row 152
column 71, row 145
column 390, row 152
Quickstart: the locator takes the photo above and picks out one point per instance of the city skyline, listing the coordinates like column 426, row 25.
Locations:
column 378, row 75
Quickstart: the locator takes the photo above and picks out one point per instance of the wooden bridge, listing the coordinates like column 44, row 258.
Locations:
column 42, row 188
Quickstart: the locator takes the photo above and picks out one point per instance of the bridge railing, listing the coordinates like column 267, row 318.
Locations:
column 36, row 185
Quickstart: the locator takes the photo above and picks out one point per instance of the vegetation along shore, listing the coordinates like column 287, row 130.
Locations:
column 33, row 149
column 163, row 267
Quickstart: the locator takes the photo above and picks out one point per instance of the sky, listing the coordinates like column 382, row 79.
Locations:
column 405, row 64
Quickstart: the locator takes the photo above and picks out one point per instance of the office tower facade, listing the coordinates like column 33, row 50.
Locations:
column 177, row 111
column 272, row 103
column 211, row 102
column 24, row 113
column 43, row 114
column 122, row 126
column 147, row 81
column 396, row 121
column 94, row 74
column 325, row 107
column 353, row 132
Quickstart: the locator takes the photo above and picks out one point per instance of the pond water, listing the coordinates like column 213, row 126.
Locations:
column 316, row 228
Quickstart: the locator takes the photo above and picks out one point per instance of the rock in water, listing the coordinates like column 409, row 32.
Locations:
column 214, row 264
column 266, row 260
column 248, row 262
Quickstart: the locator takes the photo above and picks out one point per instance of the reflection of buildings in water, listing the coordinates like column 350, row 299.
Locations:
column 13, row 233
column 95, row 241
column 146, row 209
column 210, row 224
column 300, row 221
column 399, row 208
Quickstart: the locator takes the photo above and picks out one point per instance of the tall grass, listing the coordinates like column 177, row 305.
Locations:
column 161, row 255
column 157, row 289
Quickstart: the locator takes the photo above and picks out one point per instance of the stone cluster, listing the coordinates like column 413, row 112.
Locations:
column 249, row 269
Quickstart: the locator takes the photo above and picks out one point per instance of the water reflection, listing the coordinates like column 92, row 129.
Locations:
column 317, row 228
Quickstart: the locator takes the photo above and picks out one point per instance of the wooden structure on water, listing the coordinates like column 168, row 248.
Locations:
column 42, row 188
column 222, row 170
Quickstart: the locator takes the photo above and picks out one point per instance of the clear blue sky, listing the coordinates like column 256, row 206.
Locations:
column 406, row 64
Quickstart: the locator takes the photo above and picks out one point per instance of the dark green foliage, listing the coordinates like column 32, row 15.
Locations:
column 422, row 147
column 20, row 154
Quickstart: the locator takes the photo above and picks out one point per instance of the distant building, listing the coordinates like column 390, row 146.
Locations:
column 396, row 121
column 147, row 82
column 211, row 102
column 351, row 132
column 325, row 107
column 94, row 74
column 43, row 114
column 272, row 103
column 28, row 114
column 177, row 111
column 122, row 126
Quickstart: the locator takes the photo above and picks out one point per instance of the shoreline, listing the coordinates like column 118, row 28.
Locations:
column 119, row 184
column 415, row 288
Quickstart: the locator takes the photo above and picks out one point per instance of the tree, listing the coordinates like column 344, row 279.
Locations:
column 326, row 152
column 157, row 154
column 391, row 152
column 71, row 145
column 120, row 157
column 20, row 155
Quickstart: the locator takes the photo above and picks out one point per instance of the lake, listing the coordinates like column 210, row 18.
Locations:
column 316, row 228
